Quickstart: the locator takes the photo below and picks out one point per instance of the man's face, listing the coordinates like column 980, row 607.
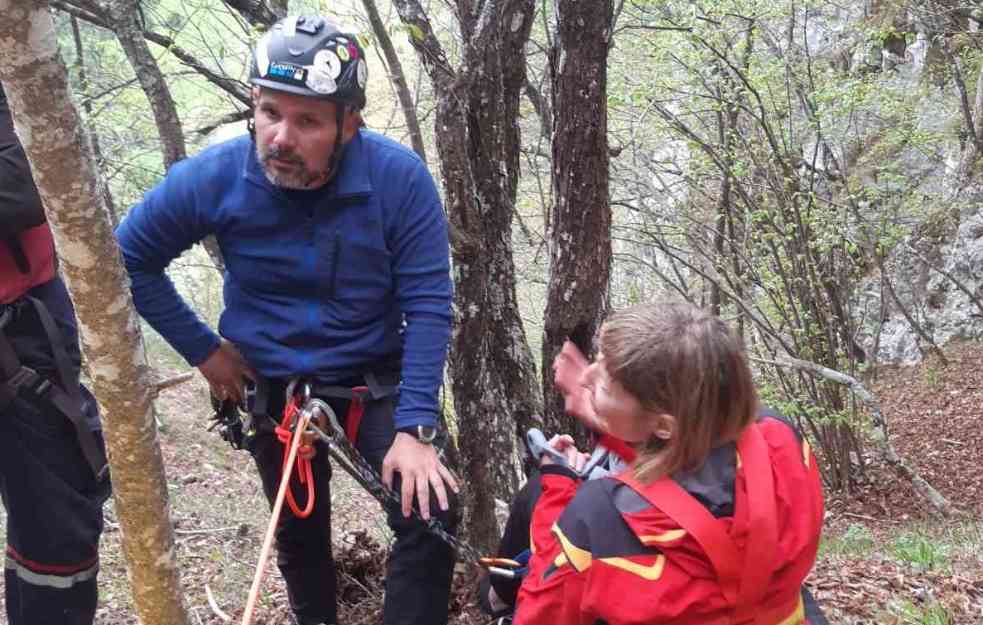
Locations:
column 295, row 136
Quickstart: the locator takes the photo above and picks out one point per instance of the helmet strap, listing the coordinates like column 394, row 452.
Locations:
column 339, row 147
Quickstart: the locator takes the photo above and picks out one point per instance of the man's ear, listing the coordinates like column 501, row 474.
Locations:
column 254, row 92
column 352, row 122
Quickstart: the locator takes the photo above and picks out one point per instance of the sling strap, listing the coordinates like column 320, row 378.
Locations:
column 17, row 379
column 743, row 574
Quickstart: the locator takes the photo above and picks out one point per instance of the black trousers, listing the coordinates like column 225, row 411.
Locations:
column 420, row 565
column 54, row 518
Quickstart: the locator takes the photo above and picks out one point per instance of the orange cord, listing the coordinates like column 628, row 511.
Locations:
column 264, row 552
column 304, row 454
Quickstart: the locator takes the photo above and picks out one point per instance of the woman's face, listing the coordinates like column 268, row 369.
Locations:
column 618, row 410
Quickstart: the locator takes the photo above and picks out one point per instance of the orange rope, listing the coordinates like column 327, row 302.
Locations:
column 247, row 615
column 305, row 452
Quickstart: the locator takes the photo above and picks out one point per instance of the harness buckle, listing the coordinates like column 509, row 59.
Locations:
column 31, row 380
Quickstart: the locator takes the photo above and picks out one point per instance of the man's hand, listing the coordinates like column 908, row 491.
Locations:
column 420, row 469
column 569, row 367
column 225, row 370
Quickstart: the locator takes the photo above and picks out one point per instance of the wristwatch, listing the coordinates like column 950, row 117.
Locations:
column 423, row 433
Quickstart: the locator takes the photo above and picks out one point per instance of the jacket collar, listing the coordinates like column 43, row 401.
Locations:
column 352, row 177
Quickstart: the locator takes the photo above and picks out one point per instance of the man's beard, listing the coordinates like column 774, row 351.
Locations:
column 300, row 178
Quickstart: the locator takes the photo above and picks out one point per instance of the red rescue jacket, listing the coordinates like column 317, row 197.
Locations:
column 39, row 249
column 727, row 544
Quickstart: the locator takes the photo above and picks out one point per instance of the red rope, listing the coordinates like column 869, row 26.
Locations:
column 304, row 454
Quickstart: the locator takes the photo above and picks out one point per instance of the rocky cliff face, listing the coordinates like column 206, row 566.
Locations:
column 936, row 261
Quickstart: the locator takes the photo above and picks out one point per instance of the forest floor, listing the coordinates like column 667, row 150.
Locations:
column 884, row 558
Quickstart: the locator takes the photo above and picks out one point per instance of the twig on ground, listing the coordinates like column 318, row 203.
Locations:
column 214, row 530
column 167, row 383
column 860, row 516
column 214, row 605
column 352, row 579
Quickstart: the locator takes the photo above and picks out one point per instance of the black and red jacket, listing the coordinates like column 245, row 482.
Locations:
column 727, row 544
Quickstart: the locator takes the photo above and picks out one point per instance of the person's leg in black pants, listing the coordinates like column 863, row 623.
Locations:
column 418, row 579
column 304, row 554
column 54, row 518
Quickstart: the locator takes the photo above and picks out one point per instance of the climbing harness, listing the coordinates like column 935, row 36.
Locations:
column 306, row 416
column 236, row 425
column 17, row 379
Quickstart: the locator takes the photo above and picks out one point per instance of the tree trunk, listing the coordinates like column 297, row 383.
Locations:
column 87, row 107
column 129, row 31
column 580, row 239
column 126, row 25
column 492, row 370
column 398, row 78
column 36, row 81
column 256, row 12
column 280, row 7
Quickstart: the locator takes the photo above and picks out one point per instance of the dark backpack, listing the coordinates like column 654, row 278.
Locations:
column 20, row 204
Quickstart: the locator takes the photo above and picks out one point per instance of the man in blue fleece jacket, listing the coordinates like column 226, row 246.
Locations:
column 337, row 275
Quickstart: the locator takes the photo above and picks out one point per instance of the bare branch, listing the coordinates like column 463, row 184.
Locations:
column 256, row 12
column 939, row 503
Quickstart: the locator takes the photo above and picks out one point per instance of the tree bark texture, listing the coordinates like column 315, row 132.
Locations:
column 477, row 139
column 256, row 12
column 35, row 79
column 580, row 235
column 398, row 77
column 126, row 25
column 87, row 107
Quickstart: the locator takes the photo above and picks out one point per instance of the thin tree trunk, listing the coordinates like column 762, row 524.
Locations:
column 280, row 7
column 36, row 81
column 492, row 371
column 87, row 107
column 256, row 12
column 580, row 238
column 398, row 78
column 914, row 325
column 128, row 30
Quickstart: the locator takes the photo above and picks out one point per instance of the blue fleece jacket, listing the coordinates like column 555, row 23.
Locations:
column 317, row 283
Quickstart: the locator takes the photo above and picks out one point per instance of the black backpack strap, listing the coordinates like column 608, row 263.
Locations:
column 9, row 362
column 65, row 396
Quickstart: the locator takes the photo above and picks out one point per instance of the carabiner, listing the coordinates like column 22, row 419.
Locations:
column 315, row 404
column 291, row 387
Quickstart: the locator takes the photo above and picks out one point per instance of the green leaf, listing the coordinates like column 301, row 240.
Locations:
column 416, row 32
